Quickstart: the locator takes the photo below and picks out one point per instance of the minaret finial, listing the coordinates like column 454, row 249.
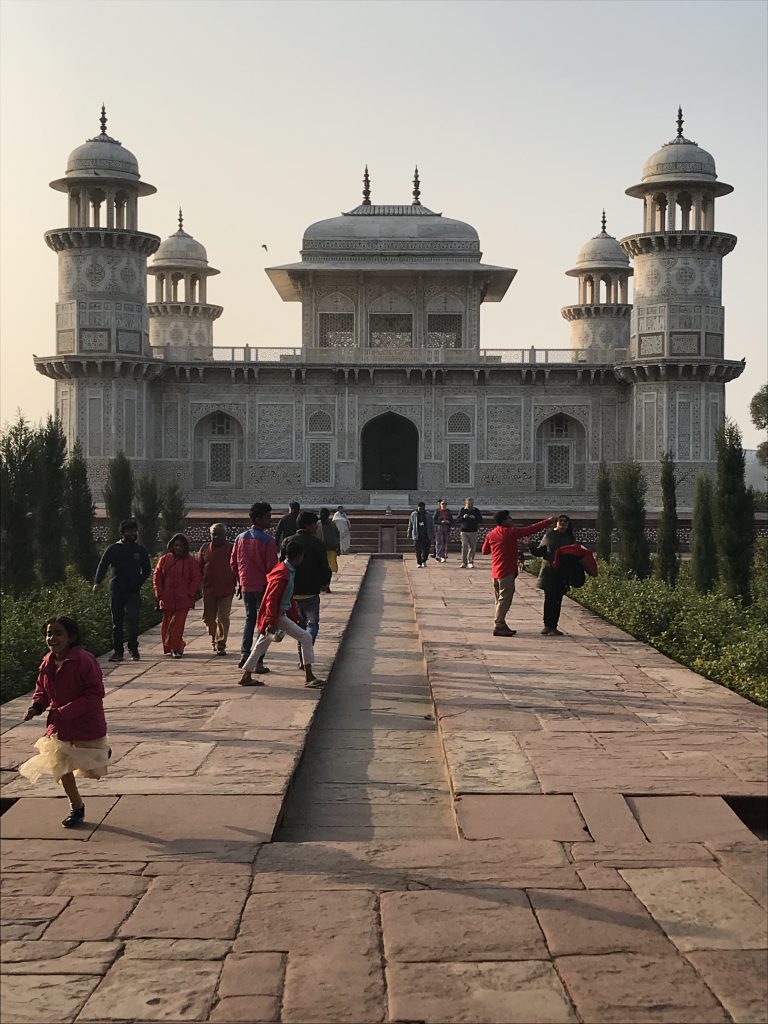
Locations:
column 603, row 222
column 416, row 189
column 366, row 187
column 680, row 122
column 103, row 120
column 181, row 220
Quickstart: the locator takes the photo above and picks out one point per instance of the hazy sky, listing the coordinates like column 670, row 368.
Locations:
column 525, row 119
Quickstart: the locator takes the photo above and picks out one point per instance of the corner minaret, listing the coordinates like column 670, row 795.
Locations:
column 600, row 320
column 676, row 357
column 181, row 318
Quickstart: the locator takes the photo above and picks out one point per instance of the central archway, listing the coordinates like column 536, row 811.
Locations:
column 390, row 454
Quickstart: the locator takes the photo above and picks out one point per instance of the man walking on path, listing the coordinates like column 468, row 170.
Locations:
column 442, row 519
column 469, row 518
column 130, row 566
column 341, row 519
column 286, row 527
column 501, row 544
column 218, row 586
column 420, row 528
column 254, row 554
column 312, row 573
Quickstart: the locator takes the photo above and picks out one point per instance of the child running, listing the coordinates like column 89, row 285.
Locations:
column 70, row 686
column 177, row 577
column 278, row 611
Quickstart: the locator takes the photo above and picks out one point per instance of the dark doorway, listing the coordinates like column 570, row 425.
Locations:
column 390, row 445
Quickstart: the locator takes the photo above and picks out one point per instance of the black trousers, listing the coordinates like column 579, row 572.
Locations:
column 553, row 601
column 422, row 546
column 125, row 609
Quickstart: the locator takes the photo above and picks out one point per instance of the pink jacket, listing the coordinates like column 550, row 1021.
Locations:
column 254, row 554
column 73, row 696
column 176, row 581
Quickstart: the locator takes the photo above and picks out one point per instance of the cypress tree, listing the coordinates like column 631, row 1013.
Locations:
column 50, row 499
column 18, row 463
column 118, row 493
column 149, row 508
column 734, row 515
column 703, row 551
column 78, row 516
column 174, row 513
column 667, row 561
column 629, row 487
column 604, row 514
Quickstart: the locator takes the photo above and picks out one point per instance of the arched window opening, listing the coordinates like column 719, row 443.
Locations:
column 684, row 202
column 558, row 426
column 320, row 422
column 459, row 423
column 221, row 424
column 390, row 454
column 660, row 212
column 589, row 290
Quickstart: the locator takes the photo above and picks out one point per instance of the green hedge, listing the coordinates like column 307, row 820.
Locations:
column 709, row 633
column 22, row 645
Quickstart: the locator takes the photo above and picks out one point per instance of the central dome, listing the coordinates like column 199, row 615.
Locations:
column 369, row 226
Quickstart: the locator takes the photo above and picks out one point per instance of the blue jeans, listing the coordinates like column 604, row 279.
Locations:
column 125, row 609
column 251, row 602
column 309, row 614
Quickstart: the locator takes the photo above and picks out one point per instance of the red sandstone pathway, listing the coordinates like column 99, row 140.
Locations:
column 583, row 865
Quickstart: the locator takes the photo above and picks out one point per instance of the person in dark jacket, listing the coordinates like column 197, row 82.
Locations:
column 312, row 574
column 130, row 566
column 442, row 519
column 420, row 528
column 469, row 519
column 287, row 525
column 553, row 580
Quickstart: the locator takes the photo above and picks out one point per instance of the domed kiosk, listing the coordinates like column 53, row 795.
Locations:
column 390, row 277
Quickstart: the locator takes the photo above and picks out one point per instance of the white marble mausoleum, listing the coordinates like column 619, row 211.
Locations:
column 389, row 396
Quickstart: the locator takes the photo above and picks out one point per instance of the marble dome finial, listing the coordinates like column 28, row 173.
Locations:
column 602, row 223
column 181, row 220
column 366, row 187
column 416, row 189
column 103, row 120
column 680, row 122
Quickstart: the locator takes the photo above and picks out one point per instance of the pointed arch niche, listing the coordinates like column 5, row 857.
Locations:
column 389, row 446
column 218, row 452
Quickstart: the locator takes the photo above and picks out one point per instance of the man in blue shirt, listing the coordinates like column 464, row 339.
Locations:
column 130, row 566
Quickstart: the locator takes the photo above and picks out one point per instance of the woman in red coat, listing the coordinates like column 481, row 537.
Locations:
column 176, row 580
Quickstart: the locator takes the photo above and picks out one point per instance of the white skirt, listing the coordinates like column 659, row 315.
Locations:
column 87, row 758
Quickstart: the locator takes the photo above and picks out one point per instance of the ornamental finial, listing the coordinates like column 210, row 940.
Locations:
column 603, row 222
column 366, row 187
column 416, row 189
column 181, row 220
column 103, row 120
column 680, row 122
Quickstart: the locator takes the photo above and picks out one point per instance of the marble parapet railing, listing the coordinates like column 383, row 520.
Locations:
column 367, row 356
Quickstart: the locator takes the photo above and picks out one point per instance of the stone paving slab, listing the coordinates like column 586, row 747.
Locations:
column 739, row 979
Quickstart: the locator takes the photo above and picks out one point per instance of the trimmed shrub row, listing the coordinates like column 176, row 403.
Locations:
column 22, row 645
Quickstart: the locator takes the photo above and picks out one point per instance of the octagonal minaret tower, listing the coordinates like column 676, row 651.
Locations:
column 676, row 358
column 600, row 320
column 181, row 318
column 102, row 363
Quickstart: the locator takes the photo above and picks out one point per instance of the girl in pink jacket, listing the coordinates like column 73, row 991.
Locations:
column 176, row 581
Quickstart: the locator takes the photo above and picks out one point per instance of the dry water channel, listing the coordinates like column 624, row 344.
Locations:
column 372, row 767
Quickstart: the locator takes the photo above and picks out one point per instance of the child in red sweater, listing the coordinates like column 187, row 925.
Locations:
column 176, row 579
column 71, row 688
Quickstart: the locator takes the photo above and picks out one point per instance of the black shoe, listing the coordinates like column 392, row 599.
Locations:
column 262, row 669
column 504, row 631
column 75, row 816
column 115, row 657
column 135, row 656
column 221, row 654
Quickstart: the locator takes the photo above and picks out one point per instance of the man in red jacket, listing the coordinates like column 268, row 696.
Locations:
column 501, row 544
column 254, row 554
column 218, row 586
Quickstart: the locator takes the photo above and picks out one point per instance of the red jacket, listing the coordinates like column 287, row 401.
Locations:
column 586, row 556
column 74, row 696
column 176, row 581
column 254, row 553
column 269, row 609
column 501, row 544
column 214, row 561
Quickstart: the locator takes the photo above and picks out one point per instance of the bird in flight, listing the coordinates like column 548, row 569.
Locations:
column 264, row 247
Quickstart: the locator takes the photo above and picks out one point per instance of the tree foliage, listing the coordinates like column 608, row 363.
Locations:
column 50, row 499
column 80, row 546
column 734, row 515
column 149, row 509
column 667, row 560
column 703, row 548
column 628, row 501
column 758, row 411
column 118, row 493
column 18, row 486
column 174, row 513
column 604, row 514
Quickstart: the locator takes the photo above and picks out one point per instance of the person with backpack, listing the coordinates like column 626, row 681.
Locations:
column 218, row 586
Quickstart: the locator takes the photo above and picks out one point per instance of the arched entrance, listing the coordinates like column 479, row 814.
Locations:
column 390, row 450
